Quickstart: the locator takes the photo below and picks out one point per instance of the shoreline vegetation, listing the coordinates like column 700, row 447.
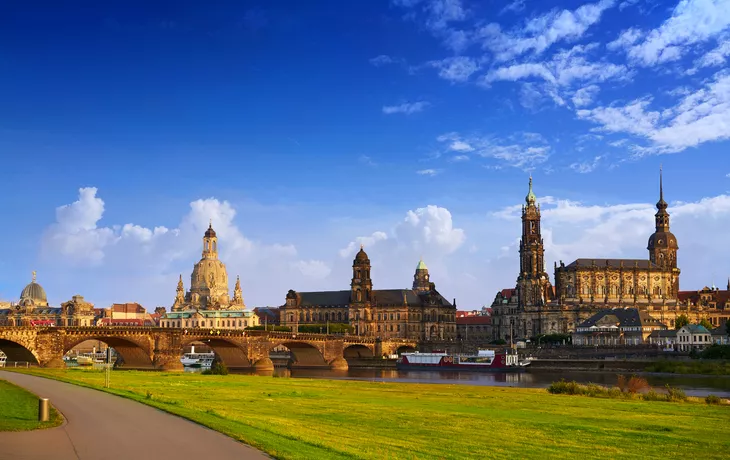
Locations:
column 333, row 419
column 712, row 368
column 19, row 410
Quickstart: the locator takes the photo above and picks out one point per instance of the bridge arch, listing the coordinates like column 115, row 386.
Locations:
column 305, row 354
column 16, row 351
column 356, row 351
column 227, row 351
column 133, row 354
column 405, row 349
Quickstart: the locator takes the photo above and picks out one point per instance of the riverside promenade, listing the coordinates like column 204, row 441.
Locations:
column 101, row 426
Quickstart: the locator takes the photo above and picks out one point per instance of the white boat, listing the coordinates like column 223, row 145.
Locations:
column 193, row 359
column 3, row 358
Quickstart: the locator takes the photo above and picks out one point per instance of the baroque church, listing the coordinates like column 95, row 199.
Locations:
column 588, row 285
column 208, row 303
column 420, row 313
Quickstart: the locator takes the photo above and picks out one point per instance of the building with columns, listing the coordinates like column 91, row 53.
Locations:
column 418, row 313
column 208, row 304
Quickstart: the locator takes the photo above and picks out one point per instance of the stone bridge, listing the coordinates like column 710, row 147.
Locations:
column 161, row 348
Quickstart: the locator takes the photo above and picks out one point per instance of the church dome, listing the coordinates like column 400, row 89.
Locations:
column 421, row 265
column 665, row 240
column 210, row 233
column 35, row 292
column 361, row 256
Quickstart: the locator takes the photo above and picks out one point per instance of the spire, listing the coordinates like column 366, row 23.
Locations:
column 661, row 204
column 530, row 198
column 34, row 276
column 362, row 246
column 180, row 286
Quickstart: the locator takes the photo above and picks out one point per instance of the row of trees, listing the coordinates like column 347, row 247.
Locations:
column 683, row 320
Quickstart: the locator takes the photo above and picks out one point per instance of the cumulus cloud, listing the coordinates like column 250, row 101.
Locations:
column 148, row 260
column 456, row 69
column 586, row 166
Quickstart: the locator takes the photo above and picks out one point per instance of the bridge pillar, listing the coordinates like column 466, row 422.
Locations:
column 168, row 351
column 49, row 348
column 339, row 364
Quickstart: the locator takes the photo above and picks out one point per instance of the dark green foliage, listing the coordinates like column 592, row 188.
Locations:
column 499, row 342
column 712, row 399
column 675, row 394
column 270, row 327
column 691, row 367
column 335, row 328
column 558, row 339
column 706, row 324
column 716, row 351
column 682, row 320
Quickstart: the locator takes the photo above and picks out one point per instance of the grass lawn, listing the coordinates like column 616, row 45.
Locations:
column 19, row 410
column 320, row 419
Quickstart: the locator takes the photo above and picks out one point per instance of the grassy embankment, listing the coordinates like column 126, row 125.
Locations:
column 19, row 410
column 690, row 367
column 304, row 419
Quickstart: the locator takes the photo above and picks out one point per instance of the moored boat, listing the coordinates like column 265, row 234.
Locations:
column 3, row 358
column 194, row 359
column 483, row 361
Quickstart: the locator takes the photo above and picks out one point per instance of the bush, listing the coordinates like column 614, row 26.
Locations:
column 563, row 387
column 652, row 395
column 675, row 394
column 632, row 385
column 218, row 368
column 270, row 327
column 712, row 399
column 716, row 351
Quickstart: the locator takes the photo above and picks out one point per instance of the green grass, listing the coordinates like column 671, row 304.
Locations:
column 305, row 419
column 19, row 410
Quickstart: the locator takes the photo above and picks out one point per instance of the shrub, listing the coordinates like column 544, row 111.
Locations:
column 675, row 394
column 652, row 395
column 637, row 385
column 564, row 387
column 712, row 399
column 218, row 368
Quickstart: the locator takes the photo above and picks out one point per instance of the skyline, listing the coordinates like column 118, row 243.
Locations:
column 410, row 126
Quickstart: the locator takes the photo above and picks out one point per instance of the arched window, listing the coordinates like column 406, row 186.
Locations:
column 339, row 316
column 215, row 246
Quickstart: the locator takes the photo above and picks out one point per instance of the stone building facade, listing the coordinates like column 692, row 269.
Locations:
column 33, row 310
column 588, row 285
column 420, row 313
column 207, row 304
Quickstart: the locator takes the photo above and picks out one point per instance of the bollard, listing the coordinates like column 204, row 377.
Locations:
column 43, row 411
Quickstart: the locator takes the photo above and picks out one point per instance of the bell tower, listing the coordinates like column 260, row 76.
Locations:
column 361, row 286
column 533, row 280
column 663, row 245
column 210, row 243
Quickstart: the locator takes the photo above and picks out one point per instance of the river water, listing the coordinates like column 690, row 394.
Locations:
column 692, row 385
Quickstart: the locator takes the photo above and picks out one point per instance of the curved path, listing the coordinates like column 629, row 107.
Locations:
column 101, row 426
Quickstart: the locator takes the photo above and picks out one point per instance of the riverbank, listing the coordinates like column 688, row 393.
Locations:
column 303, row 418
column 19, row 410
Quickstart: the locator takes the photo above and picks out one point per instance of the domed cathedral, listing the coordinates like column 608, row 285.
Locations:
column 419, row 313
column 33, row 310
column 208, row 282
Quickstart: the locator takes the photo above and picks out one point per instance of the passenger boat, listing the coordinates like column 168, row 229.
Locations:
column 3, row 358
column 193, row 359
column 483, row 361
column 84, row 360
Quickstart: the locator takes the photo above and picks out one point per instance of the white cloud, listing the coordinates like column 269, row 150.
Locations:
column 714, row 58
column 455, row 69
column 541, row 32
column 626, row 39
column 384, row 59
column 585, row 95
column 460, row 158
column 438, row 17
column 524, row 153
column 132, row 259
column 428, row 172
column 515, row 6
column 586, row 166
column 407, row 108
column 692, row 22
column 699, row 117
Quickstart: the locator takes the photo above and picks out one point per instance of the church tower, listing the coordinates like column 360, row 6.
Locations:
column 179, row 296
column 662, row 244
column 421, row 279
column 210, row 243
column 361, row 286
column 533, row 280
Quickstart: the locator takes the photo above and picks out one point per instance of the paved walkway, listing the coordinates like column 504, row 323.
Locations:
column 100, row 426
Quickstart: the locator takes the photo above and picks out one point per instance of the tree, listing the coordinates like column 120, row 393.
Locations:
column 706, row 324
column 681, row 321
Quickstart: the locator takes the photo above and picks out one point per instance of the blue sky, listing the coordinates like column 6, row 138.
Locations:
column 304, row 129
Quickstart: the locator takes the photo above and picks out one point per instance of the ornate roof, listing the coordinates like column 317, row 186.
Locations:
column 421, row 265
column 530, row 198
column 210, row 233
column 34, row 291
column 361, row 255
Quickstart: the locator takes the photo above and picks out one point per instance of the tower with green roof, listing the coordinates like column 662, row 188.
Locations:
column 421, row 280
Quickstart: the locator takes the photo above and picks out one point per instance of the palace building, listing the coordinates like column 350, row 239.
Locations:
column 418, row 313
column 207, row 303
column 33, row 310
column 587, row 285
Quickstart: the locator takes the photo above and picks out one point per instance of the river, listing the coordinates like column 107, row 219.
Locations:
column 692, row 385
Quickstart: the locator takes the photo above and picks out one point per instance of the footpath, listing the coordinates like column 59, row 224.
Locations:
column 101, row 426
